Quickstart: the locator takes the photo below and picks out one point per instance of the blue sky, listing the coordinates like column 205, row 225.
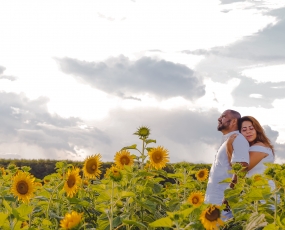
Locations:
column 78, row 78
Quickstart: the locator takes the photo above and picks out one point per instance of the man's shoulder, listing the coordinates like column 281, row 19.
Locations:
column 240, row 139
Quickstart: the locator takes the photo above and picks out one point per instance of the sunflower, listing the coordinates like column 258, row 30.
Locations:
column 123, row 158
column 202, row 174
column 115, row 173
column 38, row 185
column 73, row 181
column 142, row 132
column 2, row 171
column 85, row 182
column 210, row 217
column 196, row 198
column 24, row 224
column 158, row 157
column 92, row 165
column 70, row 220
column 23, row 186
column 257, row 177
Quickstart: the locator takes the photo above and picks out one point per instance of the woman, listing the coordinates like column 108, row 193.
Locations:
column 260, row 151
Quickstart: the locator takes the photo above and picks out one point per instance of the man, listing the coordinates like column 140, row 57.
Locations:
column 228, row 125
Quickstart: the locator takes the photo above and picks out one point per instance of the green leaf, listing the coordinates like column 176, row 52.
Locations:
column 174, row 204
column 133, row 222
column 130, row 147
column 156, row 188
column 255, row 194
column 187, row 211
column 3, row 217
column 24, row 210
column 41, row 198
column 163, row 222
column 7, row 206
column 127, row 194
column 227, row 180
column 150, row 141
column 116, row 221
column 46, row 222
column 270, row 227
column 10, row 198
column 26, row 168
column 60, row 164
column 175, row 175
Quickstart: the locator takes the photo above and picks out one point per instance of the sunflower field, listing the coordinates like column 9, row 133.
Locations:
column 136, row 193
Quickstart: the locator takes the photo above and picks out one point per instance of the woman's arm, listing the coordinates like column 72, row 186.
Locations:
column 255, row 158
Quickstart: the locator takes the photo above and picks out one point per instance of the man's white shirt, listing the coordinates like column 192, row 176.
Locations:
column 220, row 167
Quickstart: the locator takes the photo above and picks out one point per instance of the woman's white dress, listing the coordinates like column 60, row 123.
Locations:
column 260, row 167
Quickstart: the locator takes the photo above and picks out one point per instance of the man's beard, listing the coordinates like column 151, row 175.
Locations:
column 222, row 127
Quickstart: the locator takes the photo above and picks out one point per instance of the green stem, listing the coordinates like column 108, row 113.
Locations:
column 184, row 182
column 111, row 210
column 275, row 211
column 51, row 197
column 143, row 156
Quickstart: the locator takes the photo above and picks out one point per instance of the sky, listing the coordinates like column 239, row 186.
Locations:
column 78, row 78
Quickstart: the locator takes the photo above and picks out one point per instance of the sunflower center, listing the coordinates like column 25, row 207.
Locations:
column 125, row 160
column 201, row 174
column 91, row 167
column 22, row 187
column 157, row 157
column 213, row 215
column 71, row 181
column 195, row 200
column 144, row 132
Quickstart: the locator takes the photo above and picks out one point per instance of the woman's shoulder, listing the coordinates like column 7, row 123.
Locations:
column 260, row 147
column 260, row 144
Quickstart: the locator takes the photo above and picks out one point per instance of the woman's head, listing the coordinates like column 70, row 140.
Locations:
column 250, row 128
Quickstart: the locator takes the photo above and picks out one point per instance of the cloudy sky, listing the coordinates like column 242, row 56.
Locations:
column 79, row 77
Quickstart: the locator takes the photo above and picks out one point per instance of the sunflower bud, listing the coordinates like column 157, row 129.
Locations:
column 143, row 132
column 116, row 174
column 237, row 167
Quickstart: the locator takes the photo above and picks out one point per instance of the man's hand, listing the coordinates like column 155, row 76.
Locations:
column 228, row 208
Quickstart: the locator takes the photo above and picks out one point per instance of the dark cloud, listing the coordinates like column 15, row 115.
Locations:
column 122, row 77
column 273, row 135
column 188, row 135
column 28, row 121
column 266, row 93
column 265, row 48
column 268, row 45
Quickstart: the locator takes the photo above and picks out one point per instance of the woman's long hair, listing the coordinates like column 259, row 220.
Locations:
column 260, row 134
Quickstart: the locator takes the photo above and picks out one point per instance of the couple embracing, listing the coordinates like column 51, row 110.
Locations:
column 244, row 141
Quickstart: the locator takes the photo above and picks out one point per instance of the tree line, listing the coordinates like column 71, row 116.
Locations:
column 43, row 167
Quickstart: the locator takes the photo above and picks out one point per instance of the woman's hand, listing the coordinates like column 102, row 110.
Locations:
column 230, row 146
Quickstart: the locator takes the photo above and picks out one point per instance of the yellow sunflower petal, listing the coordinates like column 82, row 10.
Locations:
column 71, row 220
column 73, row 182
column 91, row 166
column 158, row 157
column 2, row 171
column 123, row 158
column 23, row 186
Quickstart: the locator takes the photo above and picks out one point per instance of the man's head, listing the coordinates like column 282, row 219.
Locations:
column 228, row 121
